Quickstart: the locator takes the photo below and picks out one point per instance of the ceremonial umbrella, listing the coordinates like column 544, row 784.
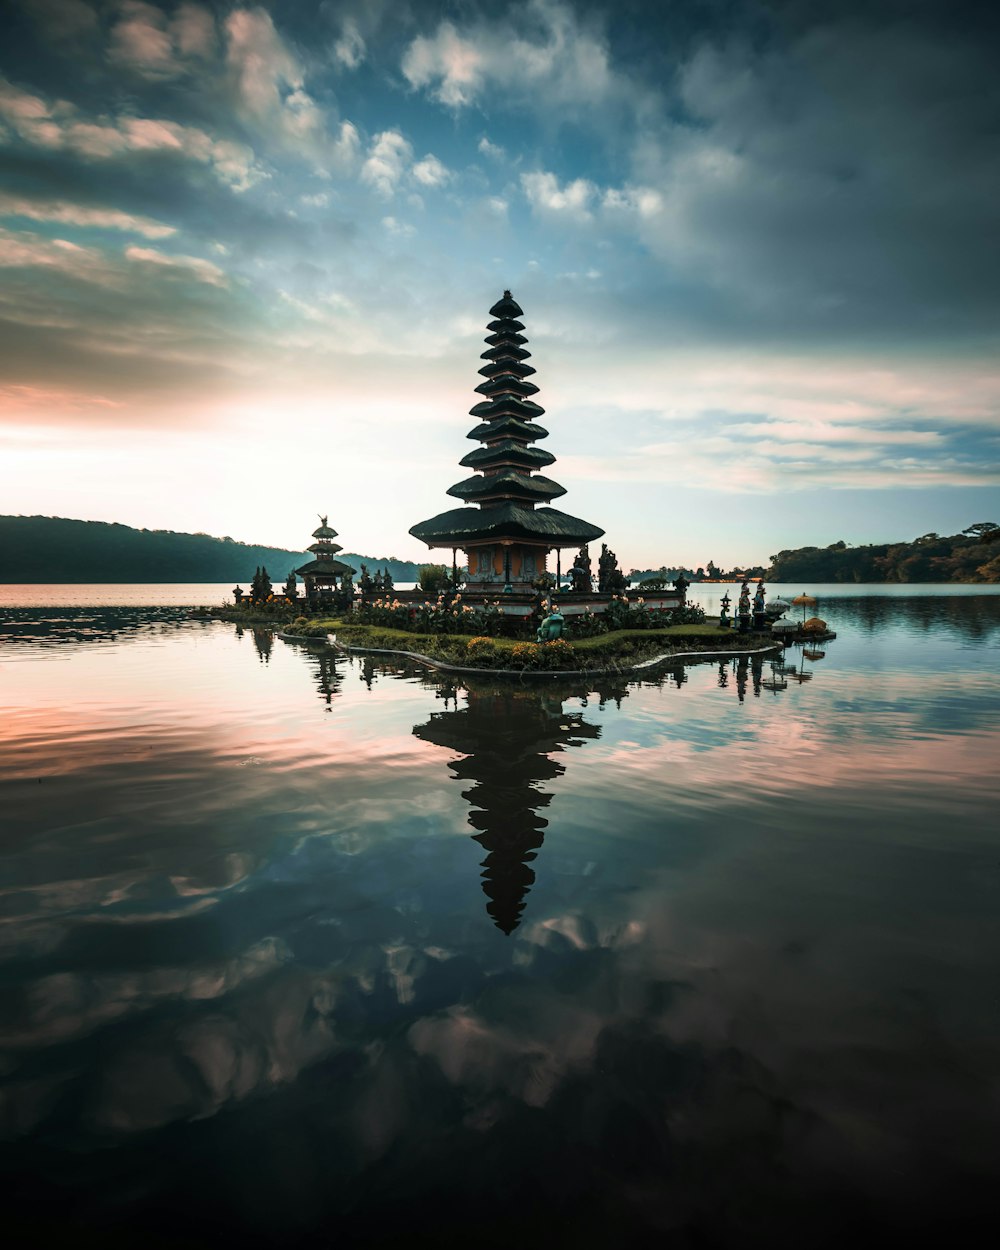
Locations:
column 780, row 606
column 806, row 601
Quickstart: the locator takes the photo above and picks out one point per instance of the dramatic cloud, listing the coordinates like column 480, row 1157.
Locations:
column 141, row 41
column 269, row 85
column 539, row 48
column 760, row 250
column 841, row 182
column 430, row 172
column 60, row 126
column 350, row 47
column 387, row 161
column 82, row 215
column 492, row 150
column 196, row 267
column 546, row 195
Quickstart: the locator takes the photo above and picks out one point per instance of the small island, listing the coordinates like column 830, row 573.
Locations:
column 504, row 610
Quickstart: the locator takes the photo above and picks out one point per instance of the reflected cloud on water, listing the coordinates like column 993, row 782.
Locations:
column 726, row 986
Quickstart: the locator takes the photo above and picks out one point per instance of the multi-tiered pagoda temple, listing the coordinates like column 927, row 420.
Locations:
column 509, row 530
column 324, row 574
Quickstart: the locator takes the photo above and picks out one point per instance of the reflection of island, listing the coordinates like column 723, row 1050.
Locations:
column 320, row 658
column 263, row 641
column 325, row 672
column 783, row 670
column 508, row 736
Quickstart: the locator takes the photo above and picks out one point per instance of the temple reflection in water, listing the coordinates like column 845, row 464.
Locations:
column 508, row 736
column 326, row 675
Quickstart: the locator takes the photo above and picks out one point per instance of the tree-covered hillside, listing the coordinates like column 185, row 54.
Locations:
column 972, row 556
column 56, row 549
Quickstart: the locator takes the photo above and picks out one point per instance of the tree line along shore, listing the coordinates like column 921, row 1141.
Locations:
column 39, row 549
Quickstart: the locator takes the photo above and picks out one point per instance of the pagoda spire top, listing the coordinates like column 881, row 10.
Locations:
column 324, row 530
column 507, row 308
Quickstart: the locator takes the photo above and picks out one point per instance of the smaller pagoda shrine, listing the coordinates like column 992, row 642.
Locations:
column 325, row 575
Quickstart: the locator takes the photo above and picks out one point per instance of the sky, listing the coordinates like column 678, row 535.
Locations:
column 248, row 252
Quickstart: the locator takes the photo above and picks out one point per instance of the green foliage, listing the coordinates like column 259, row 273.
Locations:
column 585, row 625
column 929, row 558
column 558, row 653
column 433, row 578
column 690, row 614
column 625, row 613
column 620, row 648
column 311, row 629
column 260, row 587
column 478, row 650
column 542, row 656
column 439, row 616
column 58, row 549
column 983, row 531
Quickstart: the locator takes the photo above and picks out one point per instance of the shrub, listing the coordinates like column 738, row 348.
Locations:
column 587, row 625
column 480, row 649
column 690, row 614
column 310, row 630
column 432, row 578
column 621, row 613
column 542, row 655
column 557, row 654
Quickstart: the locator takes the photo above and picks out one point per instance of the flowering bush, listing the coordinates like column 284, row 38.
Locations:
column 621, row 613
column 557, row 654
column 546, row 655
column 587, row 625
column 435, row 616
column 690, row 614
column 481, row 649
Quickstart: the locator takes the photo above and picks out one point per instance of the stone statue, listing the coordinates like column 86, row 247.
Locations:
column 610, row 578
column 759, row 614
column 743, row 609
column 387, row 582
column 366, row 583
column 581, row 580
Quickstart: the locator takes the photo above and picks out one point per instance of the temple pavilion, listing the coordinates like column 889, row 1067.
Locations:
column 324, row 574
column 507, row 529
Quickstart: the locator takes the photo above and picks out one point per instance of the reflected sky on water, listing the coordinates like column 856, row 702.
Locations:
column 298, row 950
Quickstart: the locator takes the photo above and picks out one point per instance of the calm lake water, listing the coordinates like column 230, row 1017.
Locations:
column 304, row 951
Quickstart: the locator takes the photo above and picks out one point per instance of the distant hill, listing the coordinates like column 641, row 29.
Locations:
column 57, row 549
column 972, row 556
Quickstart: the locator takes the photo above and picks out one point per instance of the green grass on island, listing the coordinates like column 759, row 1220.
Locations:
column 620, row 648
